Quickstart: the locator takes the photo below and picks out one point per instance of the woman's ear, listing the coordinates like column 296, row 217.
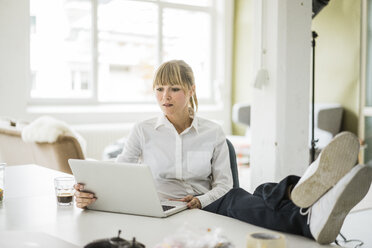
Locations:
column 193, row 90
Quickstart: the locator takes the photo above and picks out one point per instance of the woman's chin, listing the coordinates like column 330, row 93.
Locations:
column 168, row 111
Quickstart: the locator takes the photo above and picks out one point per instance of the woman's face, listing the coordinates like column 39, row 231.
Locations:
column 172, row 99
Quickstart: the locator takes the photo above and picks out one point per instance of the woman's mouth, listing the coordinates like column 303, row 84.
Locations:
column 167, row 105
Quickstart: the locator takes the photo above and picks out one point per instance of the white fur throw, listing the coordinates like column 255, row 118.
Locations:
column 47, row 129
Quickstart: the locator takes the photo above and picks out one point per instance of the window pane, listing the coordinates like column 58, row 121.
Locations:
column 368, row 140
column 127, row 49
column 60, row 50
column 187, row 36
column 369, row 56
column 191, row 2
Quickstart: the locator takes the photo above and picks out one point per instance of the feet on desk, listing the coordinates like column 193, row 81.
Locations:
column 332, row 186
column 326, row 216
column 334, row 162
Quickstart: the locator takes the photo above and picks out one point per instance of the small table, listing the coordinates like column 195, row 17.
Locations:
column 30, row 206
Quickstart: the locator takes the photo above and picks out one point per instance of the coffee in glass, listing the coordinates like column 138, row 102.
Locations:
column 64, row 187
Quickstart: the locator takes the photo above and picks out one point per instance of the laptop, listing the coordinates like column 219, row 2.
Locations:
column 122, row 188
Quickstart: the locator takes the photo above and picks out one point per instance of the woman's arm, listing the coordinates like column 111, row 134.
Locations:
column 132, row 149
column 221, row 171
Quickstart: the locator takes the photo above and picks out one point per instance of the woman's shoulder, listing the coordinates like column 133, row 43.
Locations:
column 143, row 125
column 206, row 123
column 211, row 129
column 148, row 122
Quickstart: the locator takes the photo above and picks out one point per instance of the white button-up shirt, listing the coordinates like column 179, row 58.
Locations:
column 195, row 162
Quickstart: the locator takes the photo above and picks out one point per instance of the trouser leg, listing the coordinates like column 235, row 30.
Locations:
column 268, row 207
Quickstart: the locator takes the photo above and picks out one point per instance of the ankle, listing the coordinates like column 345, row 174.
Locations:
column 289, row 191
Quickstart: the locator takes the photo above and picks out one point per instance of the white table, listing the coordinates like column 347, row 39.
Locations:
column 30, row 206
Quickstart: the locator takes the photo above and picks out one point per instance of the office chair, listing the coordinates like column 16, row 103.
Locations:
column 233, row 164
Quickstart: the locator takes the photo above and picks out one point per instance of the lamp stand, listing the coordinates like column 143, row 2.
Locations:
column 313, row 141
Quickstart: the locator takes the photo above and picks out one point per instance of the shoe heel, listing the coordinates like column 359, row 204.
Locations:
column 353, row 193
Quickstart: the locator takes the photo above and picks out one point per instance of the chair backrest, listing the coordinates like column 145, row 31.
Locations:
column 14, row 151
column 233, row 164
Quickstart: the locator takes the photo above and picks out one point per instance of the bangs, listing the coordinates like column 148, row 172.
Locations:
column 169, row 74
column 177, row 72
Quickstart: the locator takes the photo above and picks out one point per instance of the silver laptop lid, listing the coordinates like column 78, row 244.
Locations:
column 119, row 187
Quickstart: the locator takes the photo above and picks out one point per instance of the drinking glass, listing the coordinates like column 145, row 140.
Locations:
column 64, row 187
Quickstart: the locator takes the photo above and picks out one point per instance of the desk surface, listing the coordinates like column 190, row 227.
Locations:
column 30, row 206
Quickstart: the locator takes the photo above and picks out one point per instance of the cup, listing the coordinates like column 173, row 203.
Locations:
column 64, row 187
column 266, row 239
column 2, row 169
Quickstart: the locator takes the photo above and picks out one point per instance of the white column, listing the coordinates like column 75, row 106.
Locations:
column 14, row 58
column 281, row 92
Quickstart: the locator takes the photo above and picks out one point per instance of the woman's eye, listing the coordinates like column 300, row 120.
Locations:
column 159, row 89
column 175, row 89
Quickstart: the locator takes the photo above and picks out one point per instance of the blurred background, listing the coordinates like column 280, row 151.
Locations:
column 90, row 63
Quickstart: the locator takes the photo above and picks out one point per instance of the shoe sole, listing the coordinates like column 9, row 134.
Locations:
column 336, row 159
column 353, row 193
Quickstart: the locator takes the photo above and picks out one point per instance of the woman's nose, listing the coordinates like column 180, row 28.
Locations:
column 166, row 94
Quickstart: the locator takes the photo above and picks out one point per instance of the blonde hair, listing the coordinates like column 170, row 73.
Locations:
column 177, row 72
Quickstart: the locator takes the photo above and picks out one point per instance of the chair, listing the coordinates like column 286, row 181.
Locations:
column 14, row 151
column 328, row 121
column 233, row 164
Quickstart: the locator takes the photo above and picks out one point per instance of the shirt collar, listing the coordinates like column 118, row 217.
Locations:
column 194, row 124
column 163, row 121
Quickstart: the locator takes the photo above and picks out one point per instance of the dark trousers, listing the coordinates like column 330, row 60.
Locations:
column 268, row 207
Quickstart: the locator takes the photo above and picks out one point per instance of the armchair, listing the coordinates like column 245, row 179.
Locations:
column 14, row 151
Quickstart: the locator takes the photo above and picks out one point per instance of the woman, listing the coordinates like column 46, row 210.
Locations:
column 189, row 159
column 188, row 155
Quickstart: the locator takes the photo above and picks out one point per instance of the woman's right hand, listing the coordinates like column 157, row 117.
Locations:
column 83, row 199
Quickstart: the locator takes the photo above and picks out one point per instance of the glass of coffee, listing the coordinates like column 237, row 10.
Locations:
column 64, row 187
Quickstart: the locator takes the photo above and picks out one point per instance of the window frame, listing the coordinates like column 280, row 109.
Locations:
column 364, row 110
column 93, row 100
column 92, row 111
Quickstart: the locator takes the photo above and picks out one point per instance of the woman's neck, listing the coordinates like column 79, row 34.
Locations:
column 181, row 122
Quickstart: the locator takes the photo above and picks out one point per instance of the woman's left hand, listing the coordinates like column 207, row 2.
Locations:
column 192, row 201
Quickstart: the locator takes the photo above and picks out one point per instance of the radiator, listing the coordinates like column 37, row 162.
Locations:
column 98, row 136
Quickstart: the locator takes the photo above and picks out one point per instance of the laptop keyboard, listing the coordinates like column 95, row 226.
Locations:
column 165, row 207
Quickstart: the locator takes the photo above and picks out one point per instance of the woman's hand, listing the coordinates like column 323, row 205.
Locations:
column 192, row 202
column 83, row 199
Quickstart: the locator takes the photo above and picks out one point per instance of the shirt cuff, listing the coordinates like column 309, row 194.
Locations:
column 204, row 200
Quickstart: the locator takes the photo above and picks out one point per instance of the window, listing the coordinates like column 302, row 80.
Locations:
column 365, row 119
column 106, row 51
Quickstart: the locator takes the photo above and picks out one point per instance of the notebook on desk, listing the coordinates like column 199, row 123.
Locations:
column 122, row 188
